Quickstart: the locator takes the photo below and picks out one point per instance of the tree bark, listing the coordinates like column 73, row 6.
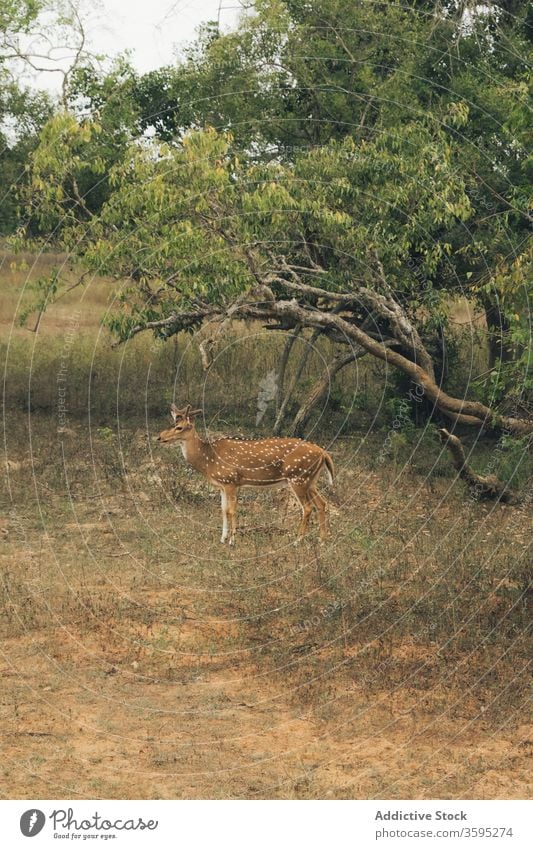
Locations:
column 289, row 342
column 320, row 390
column 294, row 382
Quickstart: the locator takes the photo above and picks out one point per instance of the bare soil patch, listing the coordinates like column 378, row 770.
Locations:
column 140, row 659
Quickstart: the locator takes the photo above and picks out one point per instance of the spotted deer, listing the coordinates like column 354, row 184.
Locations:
column 232, row 462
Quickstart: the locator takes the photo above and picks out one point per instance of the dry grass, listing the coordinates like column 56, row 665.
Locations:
column 141, row 375
column 141, row 659
column 390, row 662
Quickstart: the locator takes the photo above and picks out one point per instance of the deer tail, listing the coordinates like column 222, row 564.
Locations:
column 330, row 469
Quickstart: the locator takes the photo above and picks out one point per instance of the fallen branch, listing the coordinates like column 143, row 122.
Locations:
column 481, row 486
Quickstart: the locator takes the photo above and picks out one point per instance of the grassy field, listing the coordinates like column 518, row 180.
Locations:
column 142, row 659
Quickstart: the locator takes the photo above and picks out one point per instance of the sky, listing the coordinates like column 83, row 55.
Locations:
column 152, row 29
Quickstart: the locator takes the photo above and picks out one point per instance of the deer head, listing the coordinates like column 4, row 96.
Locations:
column 183, row 424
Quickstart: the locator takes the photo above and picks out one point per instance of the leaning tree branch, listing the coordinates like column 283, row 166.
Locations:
column 384, row 305
column 283, row 310
column 461, row 418
column 175, row 323
column 291, row 312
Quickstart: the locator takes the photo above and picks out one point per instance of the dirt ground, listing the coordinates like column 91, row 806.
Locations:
column 133, row 664
column 140, row 659
column 79, row 723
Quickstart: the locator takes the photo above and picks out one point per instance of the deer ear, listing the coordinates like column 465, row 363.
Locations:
column 174, row 412
column 193, row 413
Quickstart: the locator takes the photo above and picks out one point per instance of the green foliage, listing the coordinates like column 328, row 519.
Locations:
column 78, row 148
column 180, row 219
column 514, row 457
column 58, row 164
column 44, row 290
column 349, row 131
column 22, row 114
column 23, row 111
column 17, row 16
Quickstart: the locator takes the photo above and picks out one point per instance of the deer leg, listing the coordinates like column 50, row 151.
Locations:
column 320, row 504
column 301, row 492
column 231, row 511
column 225, row 519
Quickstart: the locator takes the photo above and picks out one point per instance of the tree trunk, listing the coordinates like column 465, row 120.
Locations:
column 289, row 342
column 294, row 382
column 320, row 390
column 500, row 346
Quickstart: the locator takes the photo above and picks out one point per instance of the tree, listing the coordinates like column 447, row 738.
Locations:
column 22, row 115
column 32, row 35
column 345, row 187
column 79, row 146
column 298, row 74
column 202, row 231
